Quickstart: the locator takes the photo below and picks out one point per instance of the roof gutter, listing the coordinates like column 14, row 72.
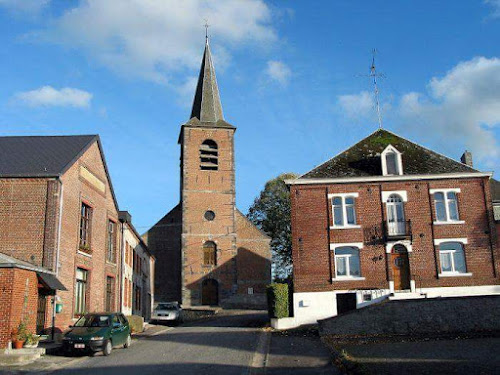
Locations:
column 347, row 180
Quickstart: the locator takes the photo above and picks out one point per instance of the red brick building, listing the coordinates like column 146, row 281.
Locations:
column 207, row 252
column 59, row 232
column 390, row 218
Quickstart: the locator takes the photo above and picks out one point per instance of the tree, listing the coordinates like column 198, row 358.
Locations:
column 271, row 213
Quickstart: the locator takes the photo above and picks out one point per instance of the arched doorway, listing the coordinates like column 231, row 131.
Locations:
column 395, row 215
column 210, row 292
column 400, row 267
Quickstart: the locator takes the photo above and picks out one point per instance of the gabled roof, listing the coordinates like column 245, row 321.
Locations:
column 46, row 156
column 41, row 156
column 206, row 105
column 363, row 159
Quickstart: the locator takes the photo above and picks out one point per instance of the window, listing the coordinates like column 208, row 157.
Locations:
column 111, row 241
column 344, row 210
column 110, row 289
column 451, row 256
column 347, row 262
column 210, row 254
column 446, row 205
column 209, row 215
column 81, row 291
column 85, row 227
column 392, row 164
column 209, row 156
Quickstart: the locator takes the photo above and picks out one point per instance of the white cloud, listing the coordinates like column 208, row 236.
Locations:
column 47, row 96
column 357, row 105
column 24, row 6
column 278, row 71
column 462, row 107
column 495, row 5
column 154, row 39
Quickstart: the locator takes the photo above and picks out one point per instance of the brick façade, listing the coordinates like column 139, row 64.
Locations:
column 30, row 210
column 312, row 218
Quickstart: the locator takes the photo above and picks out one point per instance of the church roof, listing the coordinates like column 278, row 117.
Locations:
column 207, row 107
column 363, row 159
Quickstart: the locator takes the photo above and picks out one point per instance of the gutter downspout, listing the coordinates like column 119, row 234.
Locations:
column 59, row 226
column 122, row 265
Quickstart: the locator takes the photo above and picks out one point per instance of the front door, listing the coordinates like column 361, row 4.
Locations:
column 400, row 268
column 40, row 313
column 210, row 292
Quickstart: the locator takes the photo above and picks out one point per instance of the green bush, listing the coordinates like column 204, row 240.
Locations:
column 136, row 323
column 277, row 300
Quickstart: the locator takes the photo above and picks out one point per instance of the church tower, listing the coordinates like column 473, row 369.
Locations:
column 207, row 252
column 208, row 240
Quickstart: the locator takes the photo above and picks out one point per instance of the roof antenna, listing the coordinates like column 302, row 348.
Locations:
column 206, row 30
column 375, row 75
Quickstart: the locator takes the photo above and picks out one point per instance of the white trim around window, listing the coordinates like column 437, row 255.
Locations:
column 447, row 202
column 359, row 245
column 343, row 197
column 439, row 241
column 405, row 243
column 399, row 163
column 402, row 193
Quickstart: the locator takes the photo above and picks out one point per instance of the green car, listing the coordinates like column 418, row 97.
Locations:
column 97, row 332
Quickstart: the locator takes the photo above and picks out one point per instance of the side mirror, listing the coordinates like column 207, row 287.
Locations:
column 116, row 325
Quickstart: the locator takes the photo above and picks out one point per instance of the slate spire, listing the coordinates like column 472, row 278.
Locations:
column 206, row 105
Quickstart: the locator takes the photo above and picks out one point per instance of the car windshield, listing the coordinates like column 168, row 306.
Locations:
column 166, row 306
column 93, row 321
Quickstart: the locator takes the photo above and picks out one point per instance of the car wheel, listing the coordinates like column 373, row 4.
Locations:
column 107, row 348
column 127, row 342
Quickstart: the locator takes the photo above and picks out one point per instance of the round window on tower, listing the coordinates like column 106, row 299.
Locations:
column 209, row 215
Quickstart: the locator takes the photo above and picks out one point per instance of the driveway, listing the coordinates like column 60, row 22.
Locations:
column 232, row 343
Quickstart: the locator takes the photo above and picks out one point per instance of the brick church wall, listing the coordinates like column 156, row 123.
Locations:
column 164, row 241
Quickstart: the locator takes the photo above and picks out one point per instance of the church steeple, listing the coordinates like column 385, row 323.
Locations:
column 206, row 105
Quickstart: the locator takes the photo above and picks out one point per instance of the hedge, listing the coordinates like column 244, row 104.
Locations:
column 277, row 300
column 136, row 323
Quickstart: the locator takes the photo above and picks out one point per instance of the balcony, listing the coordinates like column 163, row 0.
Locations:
column 399, row 230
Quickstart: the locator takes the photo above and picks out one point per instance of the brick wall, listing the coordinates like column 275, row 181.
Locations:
column 312, row 217
column 18, row 301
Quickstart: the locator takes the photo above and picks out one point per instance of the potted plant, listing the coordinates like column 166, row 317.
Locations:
column 19, row 335
column 31, row 340
column 85, row 248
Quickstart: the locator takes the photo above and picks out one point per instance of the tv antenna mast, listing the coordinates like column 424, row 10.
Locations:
column 374, row 75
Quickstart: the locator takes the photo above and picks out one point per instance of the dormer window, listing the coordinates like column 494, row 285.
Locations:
column 392, row 164
column 209, row 156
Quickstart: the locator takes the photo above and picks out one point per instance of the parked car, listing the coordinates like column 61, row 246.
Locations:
column 97, row 332
column 167, row 312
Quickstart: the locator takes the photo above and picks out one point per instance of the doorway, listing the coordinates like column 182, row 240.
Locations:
column 210, row 292
column 346, row 302
column 400, row 267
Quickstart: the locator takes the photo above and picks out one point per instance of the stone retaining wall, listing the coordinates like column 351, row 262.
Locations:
column 420, row 317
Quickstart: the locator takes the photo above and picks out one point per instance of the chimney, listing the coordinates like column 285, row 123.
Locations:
column 467, row 158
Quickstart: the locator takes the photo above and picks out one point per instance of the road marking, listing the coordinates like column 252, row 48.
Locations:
column 161, row 332
column 259, row 359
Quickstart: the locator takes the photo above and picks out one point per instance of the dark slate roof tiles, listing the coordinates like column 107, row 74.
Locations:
column 363, row 159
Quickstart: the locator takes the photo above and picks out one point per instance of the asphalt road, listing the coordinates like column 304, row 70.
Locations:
column 224, row 345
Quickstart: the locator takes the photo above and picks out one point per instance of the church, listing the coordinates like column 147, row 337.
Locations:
column 207, row 252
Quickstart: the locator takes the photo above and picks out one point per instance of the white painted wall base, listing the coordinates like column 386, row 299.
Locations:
column 460, row 291
column 283, row 323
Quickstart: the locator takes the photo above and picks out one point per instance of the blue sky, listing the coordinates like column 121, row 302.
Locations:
column 292, row 76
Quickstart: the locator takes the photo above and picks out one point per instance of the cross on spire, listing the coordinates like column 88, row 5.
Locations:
column 206, row 25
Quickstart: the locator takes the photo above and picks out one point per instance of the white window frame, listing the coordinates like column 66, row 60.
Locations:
column 399, row 161
column 343, row 197
column 446, row 206
column 359, row 246
column 442, row 273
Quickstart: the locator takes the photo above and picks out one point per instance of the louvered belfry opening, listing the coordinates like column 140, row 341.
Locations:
column 209, row 156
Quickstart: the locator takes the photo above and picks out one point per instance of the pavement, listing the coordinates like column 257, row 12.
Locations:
column 234, row 342
column 459, row 356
